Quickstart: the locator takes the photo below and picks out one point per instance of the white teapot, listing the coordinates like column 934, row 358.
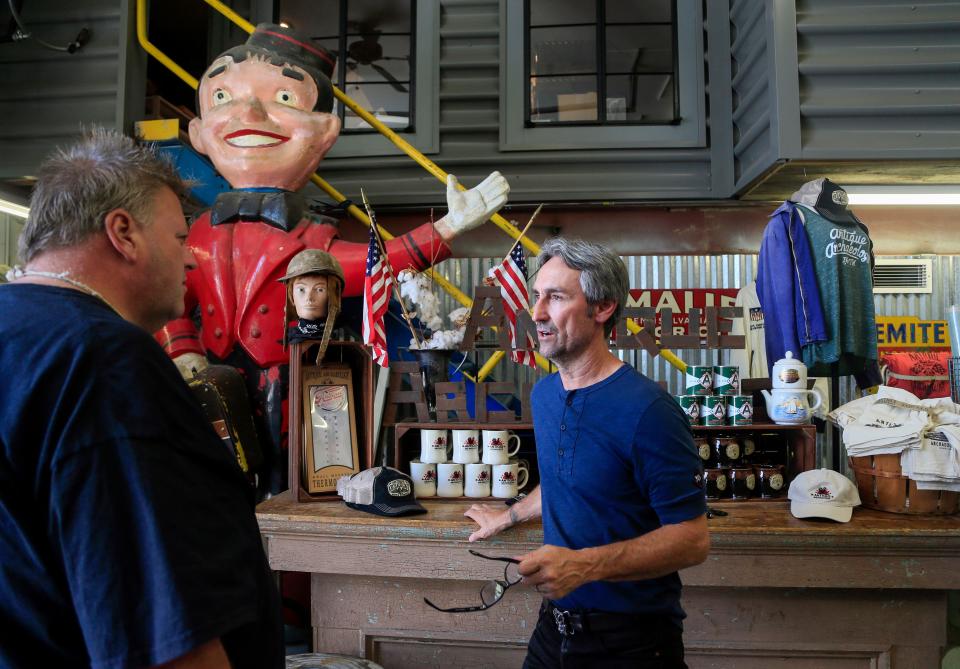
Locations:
column 788, row 404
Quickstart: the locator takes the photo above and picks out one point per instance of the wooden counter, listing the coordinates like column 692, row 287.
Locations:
column 775, row 591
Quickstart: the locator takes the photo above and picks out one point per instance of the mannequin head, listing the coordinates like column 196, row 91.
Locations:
column 315, row 282
column 309, row 294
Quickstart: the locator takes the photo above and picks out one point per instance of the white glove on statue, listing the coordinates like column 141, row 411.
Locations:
column 190, row 364
column 469, row 209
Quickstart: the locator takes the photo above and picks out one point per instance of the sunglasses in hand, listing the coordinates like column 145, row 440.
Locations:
column 493, row 590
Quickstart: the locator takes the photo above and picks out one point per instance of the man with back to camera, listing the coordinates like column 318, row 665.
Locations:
column 265, row 121
column 621, row 485
column 127, row 530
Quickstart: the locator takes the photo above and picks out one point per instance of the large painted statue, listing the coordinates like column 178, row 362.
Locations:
column 265, row 122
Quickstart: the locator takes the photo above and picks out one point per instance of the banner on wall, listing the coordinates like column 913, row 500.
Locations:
column 681, row 301
column 910, row 333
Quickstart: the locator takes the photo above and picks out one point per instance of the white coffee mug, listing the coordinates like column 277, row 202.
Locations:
column 477, row 480
column 424, row 475
column 496, row 446
column 434, row 446
column 509, row 479
column 450, row 479
column 466, row 446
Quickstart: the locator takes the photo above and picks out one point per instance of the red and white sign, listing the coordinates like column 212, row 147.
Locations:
column 681, row 301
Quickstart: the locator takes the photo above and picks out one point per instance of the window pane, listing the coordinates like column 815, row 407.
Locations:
column 645, row 98
column 374, row 60
column 333, row 46
column 385, row 102
column 385, row 16
column 561, row 12
column 563, row 51
column 632, row 49
column 563, row 99
column 314, row 18
column 639, row 11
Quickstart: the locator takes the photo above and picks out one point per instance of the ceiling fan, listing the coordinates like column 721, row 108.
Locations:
column 368, row 51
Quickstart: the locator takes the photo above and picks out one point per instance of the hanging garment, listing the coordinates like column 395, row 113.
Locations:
column 752, row 358
column 843, row 262
column 787, row 287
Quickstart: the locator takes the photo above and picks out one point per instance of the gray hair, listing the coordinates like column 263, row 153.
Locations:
column 78, row 185
column 603, row 275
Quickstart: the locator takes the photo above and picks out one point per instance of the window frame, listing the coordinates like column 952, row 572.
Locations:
column 688, row 131
column 425, row 96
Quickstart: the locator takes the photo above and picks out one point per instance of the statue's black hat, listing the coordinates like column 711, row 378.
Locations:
column 283, row 46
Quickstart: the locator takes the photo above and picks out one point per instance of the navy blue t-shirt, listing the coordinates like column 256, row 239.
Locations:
column 616, row 461
column 127, row 530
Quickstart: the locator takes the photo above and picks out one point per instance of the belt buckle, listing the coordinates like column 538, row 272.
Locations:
column 564, row 622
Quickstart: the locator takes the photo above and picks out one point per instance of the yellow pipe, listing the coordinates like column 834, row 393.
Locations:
column 398, row 141
column 154, row 51
column 667, row 354
column 426, row 163
column 375, row 123
column 495, row 359
column 357, row 213
column 232, row 15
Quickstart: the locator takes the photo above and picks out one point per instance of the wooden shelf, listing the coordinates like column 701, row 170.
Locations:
column 799, row 455
column 756, row 427
column 800, row 451
column 462, row 425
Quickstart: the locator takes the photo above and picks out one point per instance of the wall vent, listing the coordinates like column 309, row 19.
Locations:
column 903, row 275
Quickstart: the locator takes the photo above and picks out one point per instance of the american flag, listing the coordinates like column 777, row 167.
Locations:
column 376, row 299
column 511, row 274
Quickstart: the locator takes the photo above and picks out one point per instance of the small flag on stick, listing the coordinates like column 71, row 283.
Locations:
column 511, row 274
column 376, row 299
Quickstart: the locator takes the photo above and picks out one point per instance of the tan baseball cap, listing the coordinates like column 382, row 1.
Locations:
column 823, row 493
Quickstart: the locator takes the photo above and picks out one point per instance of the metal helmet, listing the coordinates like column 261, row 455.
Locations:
column 314, row 261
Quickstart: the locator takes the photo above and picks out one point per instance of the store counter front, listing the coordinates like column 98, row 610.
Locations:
column 775, row 591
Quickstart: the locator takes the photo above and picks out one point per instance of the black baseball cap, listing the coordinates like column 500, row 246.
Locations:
column 384, row 491
column 829, row 199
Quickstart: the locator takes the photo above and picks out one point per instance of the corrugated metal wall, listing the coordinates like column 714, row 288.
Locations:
column 649, row 272
column 47, row 95
column 709, row 271
column 879, row 79
column 469, row 138
column 753, row 148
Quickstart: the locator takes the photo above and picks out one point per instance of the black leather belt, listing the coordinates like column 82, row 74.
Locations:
column 570, row 623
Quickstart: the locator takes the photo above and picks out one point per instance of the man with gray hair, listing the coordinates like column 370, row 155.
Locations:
column 621, row 485
column 127, row 531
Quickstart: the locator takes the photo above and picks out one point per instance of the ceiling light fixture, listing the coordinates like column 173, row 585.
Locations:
column 903, row 195
column 13, row 208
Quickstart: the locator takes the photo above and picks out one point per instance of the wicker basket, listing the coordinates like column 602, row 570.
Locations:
column 883, row 487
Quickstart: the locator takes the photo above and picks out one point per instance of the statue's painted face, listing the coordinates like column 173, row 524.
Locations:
column 258, row 126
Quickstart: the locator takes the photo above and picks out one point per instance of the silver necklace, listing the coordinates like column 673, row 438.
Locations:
column 65, row 278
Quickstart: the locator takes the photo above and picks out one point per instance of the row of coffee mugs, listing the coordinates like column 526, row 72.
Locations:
column 455, row 479
column 498, row 446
